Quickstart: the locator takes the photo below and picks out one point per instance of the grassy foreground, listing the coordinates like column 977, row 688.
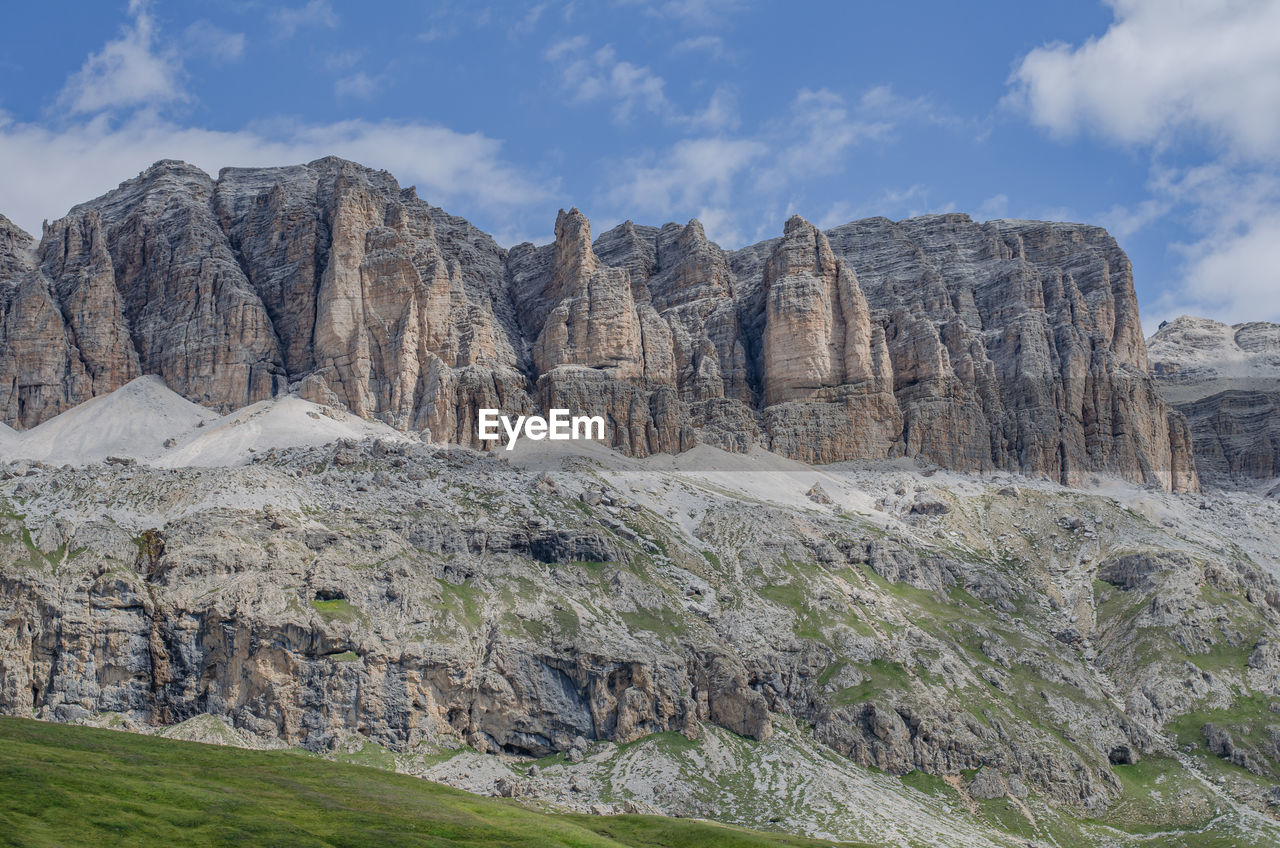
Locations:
column 63, row 785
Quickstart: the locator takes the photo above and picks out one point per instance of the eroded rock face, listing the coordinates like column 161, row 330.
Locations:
column 383, row 304
column 1007, row 345
column 1225, row 380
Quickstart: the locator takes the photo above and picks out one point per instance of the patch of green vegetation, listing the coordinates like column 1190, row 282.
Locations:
column 881, row 676
column 668, row 742
column 336, row 609
column 657, row 832
column 1246, row 720
column 809, row 624
column 1223, row 656
column 8, row 510
column 818, row 621
column 537, row 630
column 1006, row 815
column 370, row 754
column 76, row 786
column 463, row 602
column 566, row 620
column 929, row 784
column 1158, row 794
column 33, row 556
column 344, row 656
column 663, row 621
column 829, row 672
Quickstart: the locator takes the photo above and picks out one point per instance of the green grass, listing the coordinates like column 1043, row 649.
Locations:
column 1158, row 795
column 881, row 676
column 463, row 601
column 63, row 785
column 338, row 609
column 929, row 784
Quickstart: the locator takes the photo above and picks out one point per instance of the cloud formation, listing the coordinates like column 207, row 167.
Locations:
column 314, row 14
column 592, row 75
column 129, row 71
column 207, row 39
column 740, row 185
column 1208, row 67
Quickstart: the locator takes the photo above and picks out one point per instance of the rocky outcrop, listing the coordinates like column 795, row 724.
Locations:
column 1007, row 345
column 383, row 304
column 1225, row 380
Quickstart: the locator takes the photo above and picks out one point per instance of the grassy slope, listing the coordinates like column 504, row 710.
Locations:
column 66, row 786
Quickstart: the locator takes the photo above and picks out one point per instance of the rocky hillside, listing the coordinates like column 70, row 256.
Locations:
column 1011, row 345
column 886, row 652
column 1226, row 381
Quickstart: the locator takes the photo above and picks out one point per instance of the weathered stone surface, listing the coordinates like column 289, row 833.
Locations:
column 193, row 317
column 1226, row 381
column 382, row 303
column 1015, row 344
column 1007, row 345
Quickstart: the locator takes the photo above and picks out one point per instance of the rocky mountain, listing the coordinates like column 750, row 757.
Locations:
column 1226, row 381
column 1010, row 345
column 878, row 651
column 898, row 536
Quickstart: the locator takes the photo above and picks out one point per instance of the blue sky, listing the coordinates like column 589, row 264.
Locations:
column 1159, row 119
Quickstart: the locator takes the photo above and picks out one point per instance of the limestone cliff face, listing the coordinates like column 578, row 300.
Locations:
column 591, row 317
column 1006, row 345
column 384, row 305
column 1226, row 381
column 828, row 379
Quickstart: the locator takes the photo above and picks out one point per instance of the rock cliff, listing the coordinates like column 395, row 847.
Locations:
column 1226, row 381
column 1008, row 345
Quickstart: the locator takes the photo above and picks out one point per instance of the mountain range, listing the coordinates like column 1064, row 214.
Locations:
column 902, row 534
column 1010, row 345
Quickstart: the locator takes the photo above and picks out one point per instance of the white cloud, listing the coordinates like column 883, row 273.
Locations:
column 995, row 206
column 698, row 13
column 712, row 45
column 741, row 184
column 693, row 174
column 316, row 13
column 1208, row 67
column 1232, row 270
column 359, row 85
column 45, row 171
column 205, row 38
column 129, row 71
column 530, row 20
column 721, row 112
column 821, row 132
column 343, row 60
column 894, row 203
column 600, row 75
column 1123, row 221
column 449, row 19
column 565, row 47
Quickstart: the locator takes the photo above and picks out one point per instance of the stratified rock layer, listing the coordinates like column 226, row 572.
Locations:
column 1007, row 345
column 1226, row 381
